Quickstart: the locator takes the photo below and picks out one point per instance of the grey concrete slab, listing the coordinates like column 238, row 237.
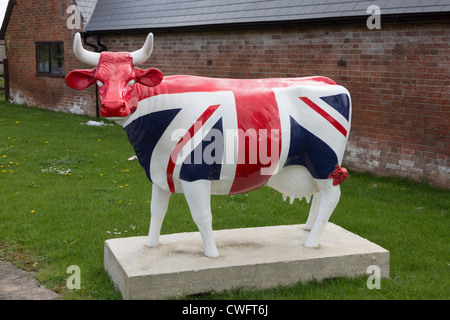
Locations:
column 16, row 284
column 262, row 257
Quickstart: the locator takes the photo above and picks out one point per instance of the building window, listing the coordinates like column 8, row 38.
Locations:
column 50, row 58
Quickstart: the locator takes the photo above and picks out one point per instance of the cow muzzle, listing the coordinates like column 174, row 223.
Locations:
column 114, row 108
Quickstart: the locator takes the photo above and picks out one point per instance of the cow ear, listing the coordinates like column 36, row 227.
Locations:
column 149, row 77
column 81, row 79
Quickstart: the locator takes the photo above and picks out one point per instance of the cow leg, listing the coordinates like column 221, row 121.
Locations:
column 329, row 198
column 159, row 205
column 312, row 212
column 198, row 197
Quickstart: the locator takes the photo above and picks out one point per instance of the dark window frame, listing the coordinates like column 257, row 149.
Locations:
column 50, row 72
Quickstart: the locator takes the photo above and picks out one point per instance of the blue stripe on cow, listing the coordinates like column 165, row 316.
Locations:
column 204, row 162
column 307, row 150
column 145, row 132
column 340, row 102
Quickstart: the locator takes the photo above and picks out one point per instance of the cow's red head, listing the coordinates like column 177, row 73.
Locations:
column 116, row 74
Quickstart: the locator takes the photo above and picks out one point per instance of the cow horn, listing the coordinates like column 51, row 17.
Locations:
column 141, row 55
column 88, row 57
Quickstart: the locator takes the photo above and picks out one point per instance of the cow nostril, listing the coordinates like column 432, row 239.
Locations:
column 114, row 108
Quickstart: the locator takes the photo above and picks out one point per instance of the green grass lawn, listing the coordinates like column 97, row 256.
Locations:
column 67, row 187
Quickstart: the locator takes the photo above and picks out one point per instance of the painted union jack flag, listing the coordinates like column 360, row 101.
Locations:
column 238, row 133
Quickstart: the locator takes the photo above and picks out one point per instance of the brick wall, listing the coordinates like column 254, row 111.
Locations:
column 399, row 79
column 35, row 21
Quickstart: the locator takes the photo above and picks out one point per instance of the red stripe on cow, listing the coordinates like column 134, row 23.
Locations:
column 324, row 114
column 255, row 112
column 188, row 136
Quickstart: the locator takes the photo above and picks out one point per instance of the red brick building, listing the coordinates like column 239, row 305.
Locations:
column 32, row 25
column 398, row 76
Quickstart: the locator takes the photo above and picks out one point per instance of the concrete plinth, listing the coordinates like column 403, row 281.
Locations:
column 252, row 257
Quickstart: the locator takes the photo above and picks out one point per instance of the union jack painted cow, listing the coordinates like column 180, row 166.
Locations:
column 201, row 136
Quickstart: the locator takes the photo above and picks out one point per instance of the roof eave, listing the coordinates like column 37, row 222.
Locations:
column 408, row 17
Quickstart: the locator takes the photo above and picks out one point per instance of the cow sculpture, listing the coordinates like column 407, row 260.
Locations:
column 201, row 136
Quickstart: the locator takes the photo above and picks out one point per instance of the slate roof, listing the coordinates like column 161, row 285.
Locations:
column 120, row 15
column 86, row 7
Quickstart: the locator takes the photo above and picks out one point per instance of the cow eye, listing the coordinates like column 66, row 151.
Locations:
column 99, row 83
column 131, row 82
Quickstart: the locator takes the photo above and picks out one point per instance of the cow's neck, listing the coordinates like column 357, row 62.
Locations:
column 144, row 92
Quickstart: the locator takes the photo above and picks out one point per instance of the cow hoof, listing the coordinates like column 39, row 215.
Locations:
column 311, row 244
column 212, row 253
column 151, row 244
column 307, row 228
column 212, row 256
